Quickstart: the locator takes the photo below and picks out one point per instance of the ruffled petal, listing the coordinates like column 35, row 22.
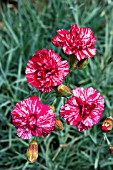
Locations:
column 85, row 53
column 24, row 133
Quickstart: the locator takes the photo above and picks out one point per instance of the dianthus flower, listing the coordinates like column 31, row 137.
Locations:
column 46, row 70
column 84, row 109
column 32, row 118
column 77, row 41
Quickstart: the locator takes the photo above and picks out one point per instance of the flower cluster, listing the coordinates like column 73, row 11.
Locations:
column 46, row 71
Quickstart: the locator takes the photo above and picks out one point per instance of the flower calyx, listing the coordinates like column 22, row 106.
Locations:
column 82, row 64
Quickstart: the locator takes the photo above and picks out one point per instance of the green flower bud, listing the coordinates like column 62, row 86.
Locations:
column 52, row 108
column 64, row 91
column 32, row 152
column 58, row 124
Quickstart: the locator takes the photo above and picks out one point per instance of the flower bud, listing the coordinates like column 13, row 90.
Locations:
column 111, row 149
column 82, row 64
column 32, row 152
column 64, row 91
column 58, row 124
column 52, row 108
column 107, row 124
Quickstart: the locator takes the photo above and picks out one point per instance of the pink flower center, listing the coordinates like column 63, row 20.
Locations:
column 86, row 109
column 45, row 70
column 32, row 120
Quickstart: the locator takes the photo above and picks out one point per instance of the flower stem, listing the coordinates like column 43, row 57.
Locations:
column 105, row 138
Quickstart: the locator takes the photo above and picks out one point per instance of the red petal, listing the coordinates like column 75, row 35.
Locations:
column 86, row 53
column 74, row 29
column 58, row 41
column 62, row 32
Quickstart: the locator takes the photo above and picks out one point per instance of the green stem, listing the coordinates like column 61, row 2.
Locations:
column 105, row 138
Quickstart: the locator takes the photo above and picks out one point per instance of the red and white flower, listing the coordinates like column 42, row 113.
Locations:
column 84, row 109
column 45, row 70
column 32, row 118
column 77, row 41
